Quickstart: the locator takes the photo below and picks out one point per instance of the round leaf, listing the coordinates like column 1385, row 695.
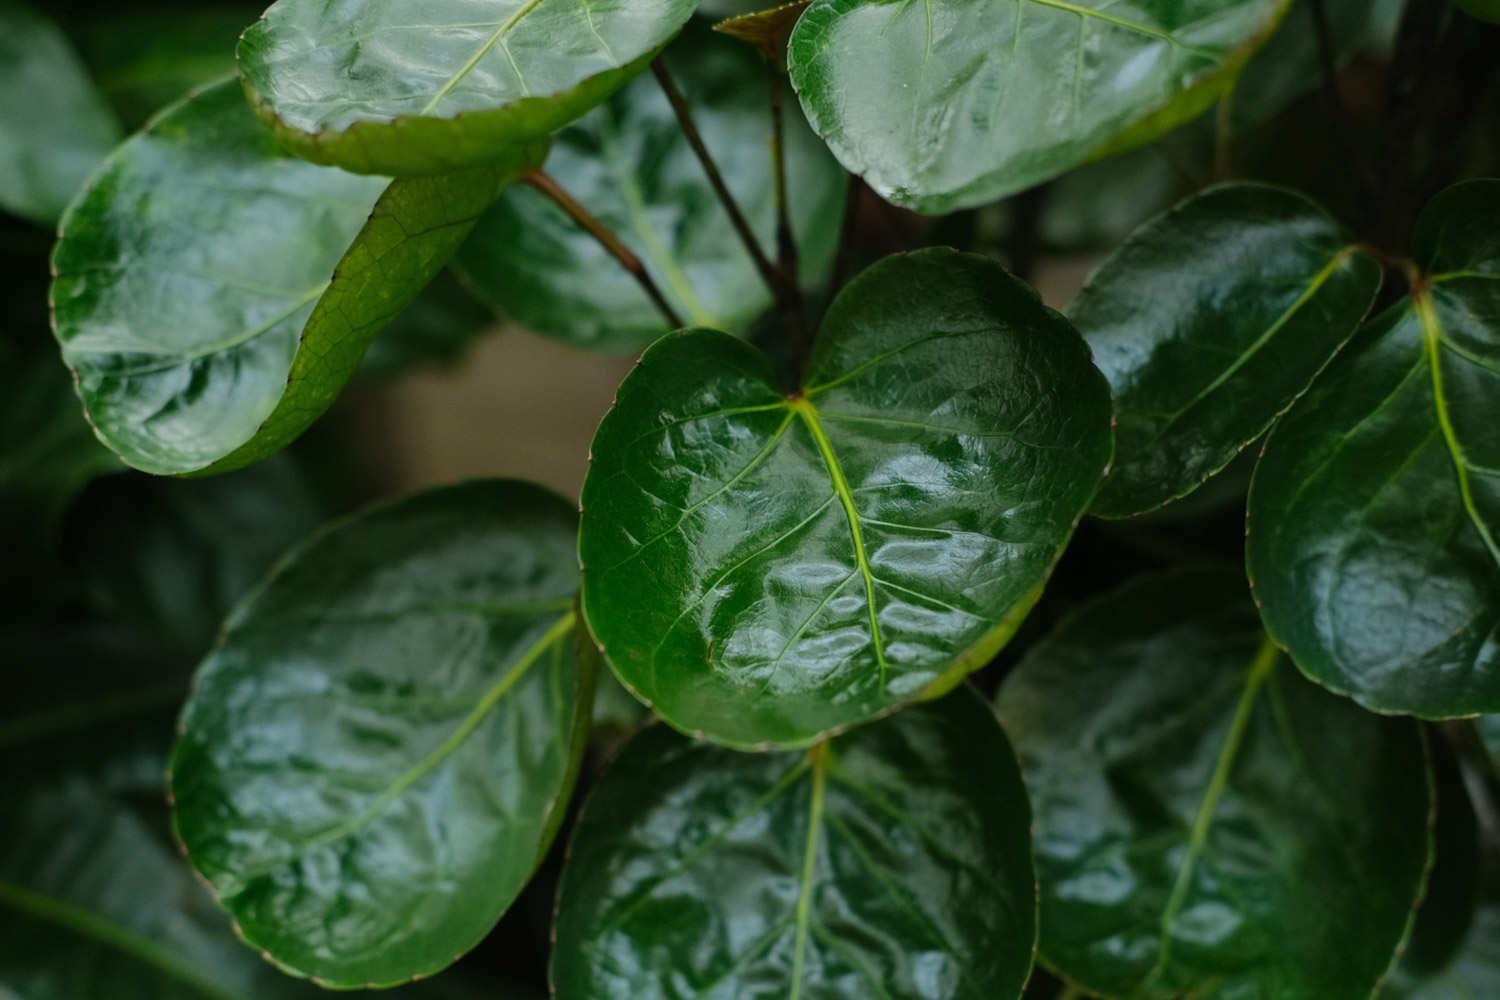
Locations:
column 949, row 104
column 893, row 862
column 411, row 89
column 1208, row 823
column 213, row 294
column 1374, row 514
column 629, row 164
column 766, row 568
column 54, row 127
column 1209, row 322
column 378, row 753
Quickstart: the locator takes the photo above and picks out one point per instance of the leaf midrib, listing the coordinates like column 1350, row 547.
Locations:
column 1260, row 671
column 818, row 757
column 95, row 927
column 478, row 57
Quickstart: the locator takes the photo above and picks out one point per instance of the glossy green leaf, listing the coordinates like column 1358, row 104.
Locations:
column 1209, row 322
column 54, row 127
column 1374, row 513
column 213, row 294
column 1208, row 823
column 949, row 104
column 407, row 89
column 629, row 164
column 436, row 329
column 894, row 862
column 377, row 754
column 765, row 568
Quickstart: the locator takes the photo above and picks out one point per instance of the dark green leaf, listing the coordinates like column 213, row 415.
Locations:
column 1374, row 513
column 425, row 88
column 1489, row 734
column 630, row 165
column 952, row 103
column 144, row 60
column 54, row 128
column 1209, row 322
column 436, row 329
column 894, row 862
column 1208, row 823
column 1485, row 10
column 172, row 557
column 766, row 568
column 213, row 294
column 378, row 753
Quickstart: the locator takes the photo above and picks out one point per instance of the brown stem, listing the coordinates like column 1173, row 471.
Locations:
column 608, row 240
column 715, row 179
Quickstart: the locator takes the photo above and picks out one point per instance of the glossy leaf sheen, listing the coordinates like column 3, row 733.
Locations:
column 54, row 127
column 377, row 755
column 1208, row 823
column 949, row 104
column 213, row 294
column 766, row 569
column 1374, row 514
column 629, row 164
column 401, row 88
column 894, row 862
column 1209, row 322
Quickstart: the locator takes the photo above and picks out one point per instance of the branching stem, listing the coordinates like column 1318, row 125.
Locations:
column 608, row 240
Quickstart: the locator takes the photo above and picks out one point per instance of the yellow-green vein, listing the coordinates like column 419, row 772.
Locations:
column 818, row 756
column 809, row 414
column 477, row 57
column 1260, row 671
column 1432, row 338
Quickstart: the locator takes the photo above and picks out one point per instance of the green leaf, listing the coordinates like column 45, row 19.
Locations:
column 377, row 755
column 436, row 329
column 1485, row 10
column 629, row 164
column 894, row 862
column 1489, row 734
column 1209, row 322
column 949, row 104
column 765, row 568
column 442, row 85
column 54, row 127
column 1208, row 823
column 1374, row 512
column 171, row 558
column 213, row 294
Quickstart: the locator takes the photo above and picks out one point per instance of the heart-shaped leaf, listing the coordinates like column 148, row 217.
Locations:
column 1209, row 322
column 409, row 90
column 378, row 753
column 766, row 568
column 213, row 294
column 1208, row 822
column 948, row 104
column 54, row 127
column 1374, row 514
column 630, row 165
column 892, row 862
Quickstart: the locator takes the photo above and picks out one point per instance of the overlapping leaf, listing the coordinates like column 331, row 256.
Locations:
column 1208, row 323
column 379, row 752
column 213, row 294
column 629, row 164
column 765, row 568
column 948, row 104
column 408, row 89
column 54, row 127
column 1375, row 512
column 1208, row 822
column 892, row 862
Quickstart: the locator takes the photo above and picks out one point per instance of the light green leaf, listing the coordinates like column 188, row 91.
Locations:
column 1375, row 511
column 378, row 753
column 1208, row 822
column 630, row 165
column 893, row 862
column 766, row 568
column 1209, row 322
column 410, row 89
column 54, row 127
column 949, row 104
column 213, row 295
